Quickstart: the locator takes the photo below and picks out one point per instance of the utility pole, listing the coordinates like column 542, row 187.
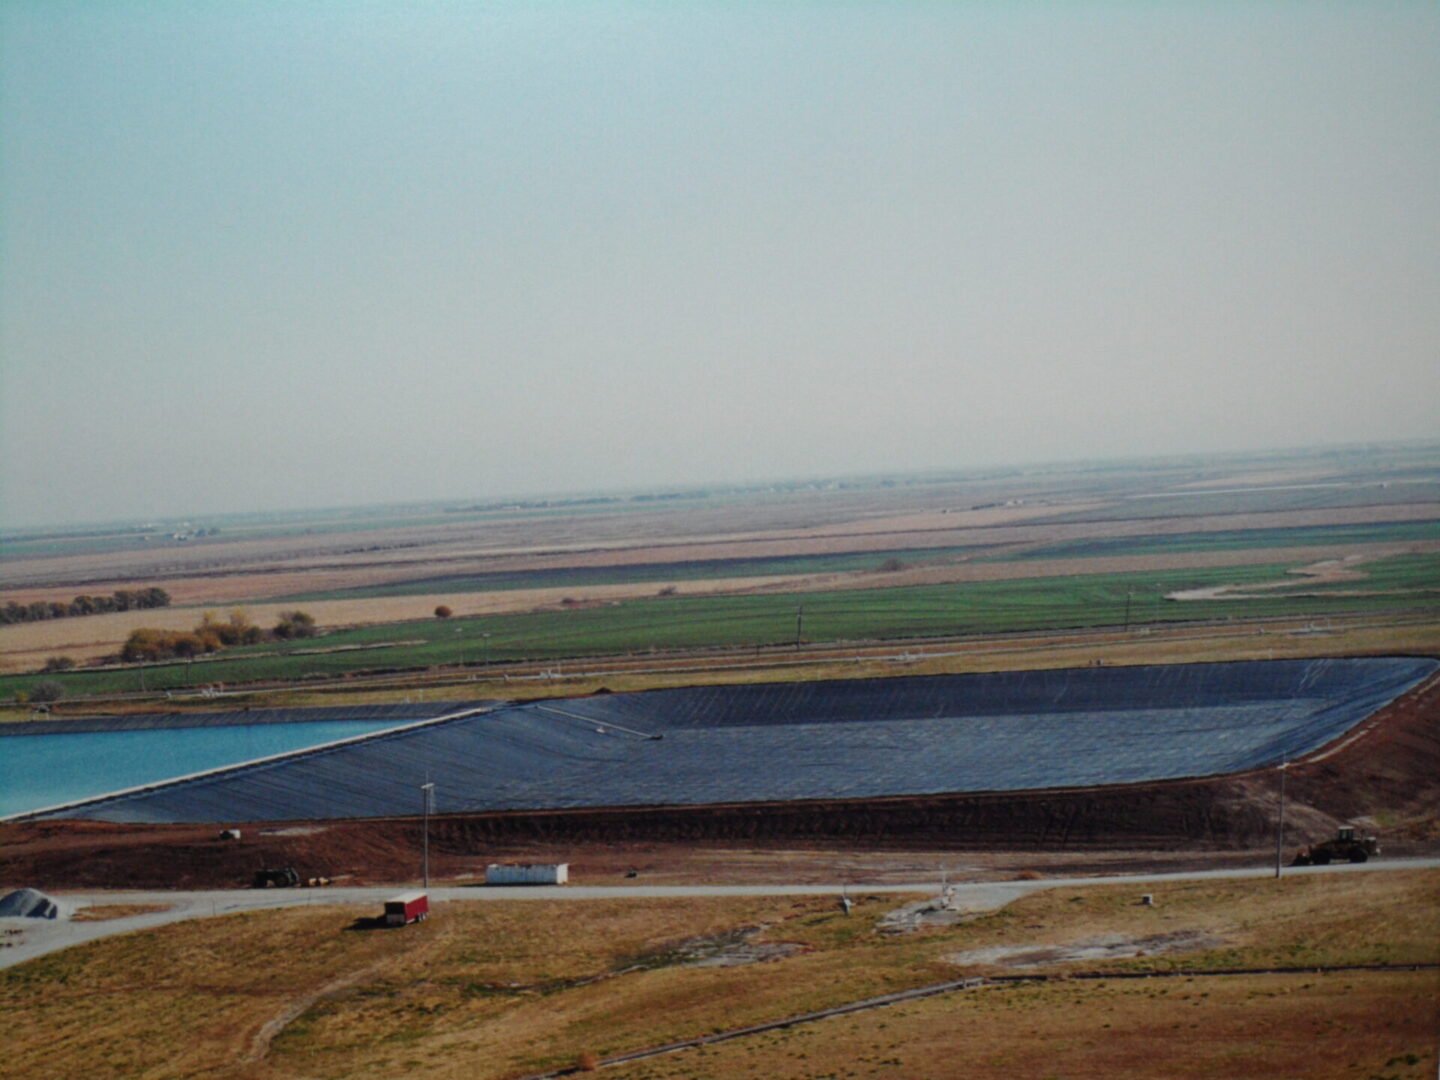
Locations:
column 426, row 791
column 1129, row 594
column 799, row 623
column 1280, row 821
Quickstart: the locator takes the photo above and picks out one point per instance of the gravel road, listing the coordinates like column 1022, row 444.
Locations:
column 37, row 937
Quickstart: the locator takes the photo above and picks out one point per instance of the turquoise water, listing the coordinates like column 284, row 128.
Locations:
column 43, row 770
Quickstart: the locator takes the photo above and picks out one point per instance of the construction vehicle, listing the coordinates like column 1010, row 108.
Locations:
column 283, row 877
column 1344, row 846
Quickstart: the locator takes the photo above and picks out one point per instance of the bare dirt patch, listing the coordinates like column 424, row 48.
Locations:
column 734, row 948
column 1323, row 572
column 1094, row 949
column 1262, row 480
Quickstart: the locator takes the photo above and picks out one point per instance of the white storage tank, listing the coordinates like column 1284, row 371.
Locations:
column 527, row 873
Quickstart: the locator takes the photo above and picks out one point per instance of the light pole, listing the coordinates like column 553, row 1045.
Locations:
column 426, row 791
column 1280, row 822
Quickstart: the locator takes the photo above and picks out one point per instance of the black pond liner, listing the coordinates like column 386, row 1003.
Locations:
column 841, row 739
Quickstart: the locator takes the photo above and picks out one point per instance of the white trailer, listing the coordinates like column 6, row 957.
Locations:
column 527, row 873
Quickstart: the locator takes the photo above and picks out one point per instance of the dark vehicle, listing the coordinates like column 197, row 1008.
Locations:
column 1345, row 846
column 284, row 877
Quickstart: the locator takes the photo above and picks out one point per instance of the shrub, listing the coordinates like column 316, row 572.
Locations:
column 147, row 643
column 236, row 630
column 143, row 644
column 46, row 690
column 294, row 624
column 443, row 612
column 58, row 663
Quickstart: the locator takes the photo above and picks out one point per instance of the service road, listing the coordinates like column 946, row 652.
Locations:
column 37, row 937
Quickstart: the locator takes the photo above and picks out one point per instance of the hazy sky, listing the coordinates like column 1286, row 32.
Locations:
column 266, row 255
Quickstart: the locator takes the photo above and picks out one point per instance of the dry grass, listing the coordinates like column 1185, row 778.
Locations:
column 1298, row 920
column 498, row 989
column 1353, row 1026
column 105, row 912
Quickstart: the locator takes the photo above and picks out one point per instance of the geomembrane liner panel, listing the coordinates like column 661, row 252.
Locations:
column 840, row 739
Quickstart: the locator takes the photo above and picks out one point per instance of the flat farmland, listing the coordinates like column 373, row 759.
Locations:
column 652, row 625
column 873, row 560
column 998, row 596
column 216, row 574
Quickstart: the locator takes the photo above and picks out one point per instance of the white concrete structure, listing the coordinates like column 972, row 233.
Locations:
column 527, row 873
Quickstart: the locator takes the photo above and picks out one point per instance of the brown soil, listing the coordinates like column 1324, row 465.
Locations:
column 1385, row 776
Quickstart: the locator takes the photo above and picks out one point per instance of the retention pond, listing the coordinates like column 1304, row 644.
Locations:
column 843, row 739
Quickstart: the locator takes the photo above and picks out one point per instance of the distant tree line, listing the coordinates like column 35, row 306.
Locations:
column 120, row 600
column 212, row 635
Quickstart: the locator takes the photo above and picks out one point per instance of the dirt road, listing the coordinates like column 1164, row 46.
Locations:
column 26, row 939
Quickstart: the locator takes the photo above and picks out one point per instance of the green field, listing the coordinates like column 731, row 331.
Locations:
column 679, row 622
column 1235, row 540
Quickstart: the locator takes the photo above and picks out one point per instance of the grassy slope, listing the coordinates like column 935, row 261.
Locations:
column 498, row 989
